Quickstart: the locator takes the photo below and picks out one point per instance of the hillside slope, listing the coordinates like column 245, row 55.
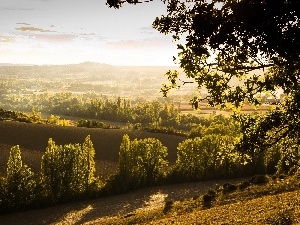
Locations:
column 264, row 210
column 118, row 205
column 33, row 138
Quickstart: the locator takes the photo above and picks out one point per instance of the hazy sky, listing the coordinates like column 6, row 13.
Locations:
column 74, row 31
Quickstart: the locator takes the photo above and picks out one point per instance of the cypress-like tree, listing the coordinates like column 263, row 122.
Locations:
column 124, row 156
column 20, row 182
column 88, row 163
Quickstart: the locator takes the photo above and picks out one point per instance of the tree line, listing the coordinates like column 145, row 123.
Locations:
column 154, row 115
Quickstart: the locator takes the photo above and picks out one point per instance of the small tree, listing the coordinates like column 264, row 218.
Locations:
column 20, row 183
column 50, row 170
column 151, row 159
column 68, row 170
column 141, row 161
column 125, row 157
column 200, row 158
column 88, row 163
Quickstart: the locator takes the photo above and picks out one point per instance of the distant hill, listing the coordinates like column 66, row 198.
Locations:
column 11, row 64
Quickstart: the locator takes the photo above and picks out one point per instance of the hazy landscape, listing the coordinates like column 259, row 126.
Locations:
column 149, row 112
column 52, row 97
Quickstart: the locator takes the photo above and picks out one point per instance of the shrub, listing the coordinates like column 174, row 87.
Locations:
column 168, row 206
column 244, row 185
column 282, row 217
column 83, row 123
column 259, row 179
column 207, row 198
column 227, row 187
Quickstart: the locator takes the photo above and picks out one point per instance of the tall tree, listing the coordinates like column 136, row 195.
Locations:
column 125, row 157
column 88, row 163
column 20, row 182
column 142, row 161
column 255, row 42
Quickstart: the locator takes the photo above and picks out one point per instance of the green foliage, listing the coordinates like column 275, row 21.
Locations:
column 216, row 125
column 237, row 50
column 55, row 120
column 207, row 157
column 68, row 170
column 155, row 115
column 142, row 161
column 87, row 163
column 33, row 117
column 95, row 124
column 19, row 185
column 83, row 123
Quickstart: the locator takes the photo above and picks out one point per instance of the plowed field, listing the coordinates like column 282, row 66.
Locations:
column 33, row 138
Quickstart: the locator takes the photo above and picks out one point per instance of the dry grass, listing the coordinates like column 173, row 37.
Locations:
column 256, row 211
column 277, row 202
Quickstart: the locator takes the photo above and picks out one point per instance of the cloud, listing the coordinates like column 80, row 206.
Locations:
column 88, row 34
column 137, row 44
column 55, row 38
column 33, row 29
column 26, row 24
column 6, row 39
column 20, row 9
column 147, row 30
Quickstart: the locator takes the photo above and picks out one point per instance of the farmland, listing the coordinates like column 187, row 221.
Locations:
column 199, row 142
column 33, row 138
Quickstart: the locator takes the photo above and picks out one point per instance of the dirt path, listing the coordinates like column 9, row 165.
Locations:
column 85, row 211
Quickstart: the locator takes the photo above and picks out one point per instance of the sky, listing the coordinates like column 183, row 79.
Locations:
column 75, row 31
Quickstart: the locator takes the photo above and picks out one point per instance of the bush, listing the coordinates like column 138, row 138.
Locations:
column 259, row 179
column 207, row 198
column 282, row 217
column 244, row 185
column 83, row 123
column 227, row 187
column 168, row 206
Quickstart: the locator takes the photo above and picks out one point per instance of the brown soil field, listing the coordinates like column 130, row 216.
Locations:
column 33, row 139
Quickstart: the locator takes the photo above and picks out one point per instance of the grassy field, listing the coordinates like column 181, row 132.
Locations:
column 33, row 138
